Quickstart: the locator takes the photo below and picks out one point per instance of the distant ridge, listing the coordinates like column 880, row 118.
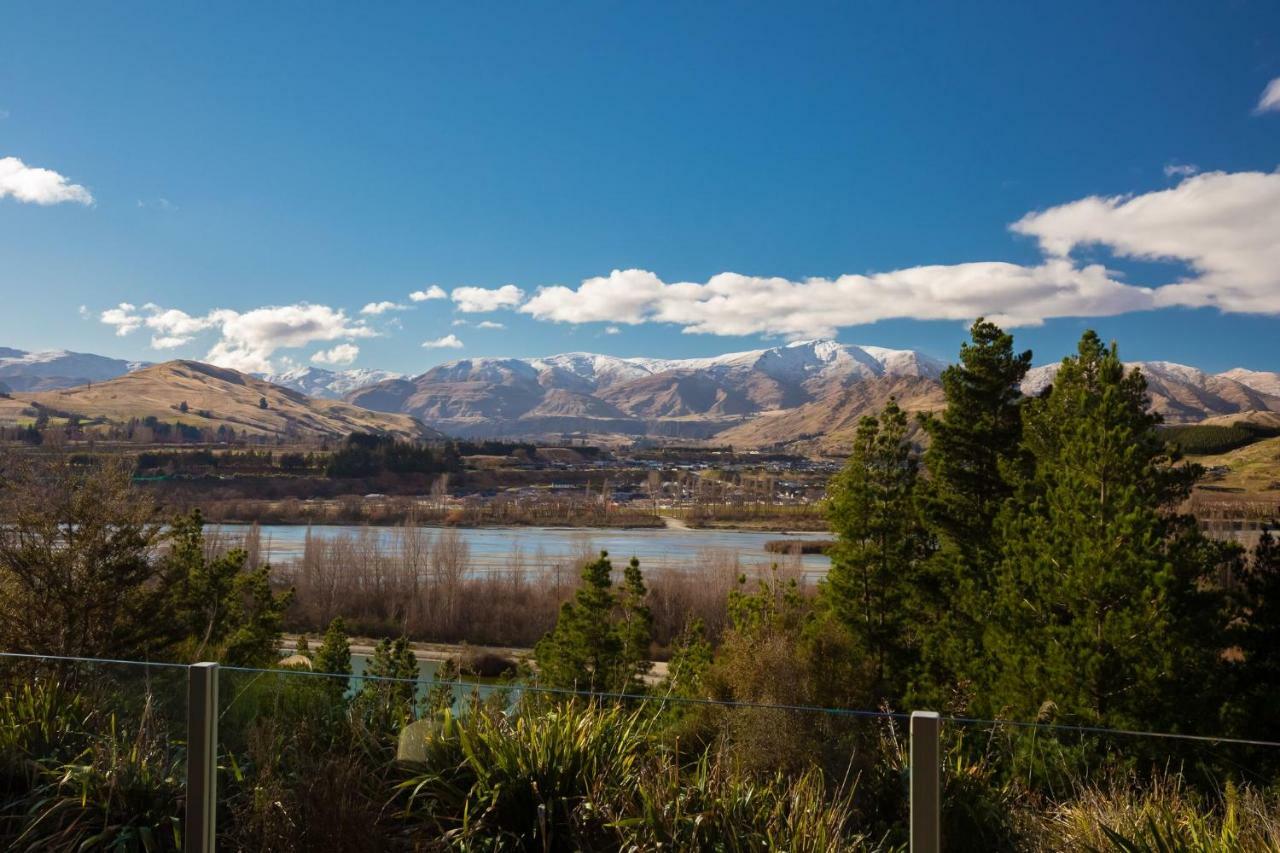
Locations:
column 693, row 398
column 39, row 371
column 803, row 395
column 215, row 397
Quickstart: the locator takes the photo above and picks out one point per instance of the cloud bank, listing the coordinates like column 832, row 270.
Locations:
column 248, row 340
column 1222, row 226
column 1221, row 229
column 38, row 186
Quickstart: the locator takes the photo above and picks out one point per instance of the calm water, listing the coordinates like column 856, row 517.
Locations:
column 492, row 547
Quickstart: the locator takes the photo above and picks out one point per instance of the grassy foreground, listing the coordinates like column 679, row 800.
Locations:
column 90, row 762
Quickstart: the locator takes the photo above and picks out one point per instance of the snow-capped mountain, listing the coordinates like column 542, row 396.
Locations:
column 758, row 397
column 1183, row 393
column 39, row 371
column 329, row 384
column 593, row 392
column 801, row 361
column 1259, row 380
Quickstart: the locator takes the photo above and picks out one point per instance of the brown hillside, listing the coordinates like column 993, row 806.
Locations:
column 827, row 425
column 216, row 396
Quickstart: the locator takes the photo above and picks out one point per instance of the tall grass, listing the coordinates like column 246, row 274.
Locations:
column 90, row 765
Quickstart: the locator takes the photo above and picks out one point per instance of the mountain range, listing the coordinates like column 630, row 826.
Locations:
column 806, row 395
column 600, row 394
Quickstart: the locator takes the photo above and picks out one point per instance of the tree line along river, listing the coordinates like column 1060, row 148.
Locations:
column 495, row 548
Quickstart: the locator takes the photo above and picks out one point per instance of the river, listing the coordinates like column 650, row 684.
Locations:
column 493, row 548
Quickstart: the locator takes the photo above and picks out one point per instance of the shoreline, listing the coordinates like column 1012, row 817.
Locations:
column 664, row 523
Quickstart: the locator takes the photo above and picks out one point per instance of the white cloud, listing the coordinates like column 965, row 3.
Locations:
column 623, row 296
column 1270, row 100
column 612, row 330
column 459, row 322
column 123, row 318
column 339, row 356
column 447, row 342
column 84, row 312
column 173, row 327
column 735, row 304
column 248, row 340
column 1223, row 226
column 477, row 300
column 376, row 308
column 1180, row 170
column 489, row 324
column 435, row 291
column 38, row 186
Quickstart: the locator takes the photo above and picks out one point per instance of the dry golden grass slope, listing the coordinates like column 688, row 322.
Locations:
column 827, row 425
column 1251, row 472
column 214, row 396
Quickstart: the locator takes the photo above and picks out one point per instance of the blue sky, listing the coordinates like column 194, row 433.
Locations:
column 267, row 170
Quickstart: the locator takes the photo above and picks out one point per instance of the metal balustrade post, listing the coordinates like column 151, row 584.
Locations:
column 202, row 757
column 926, row 782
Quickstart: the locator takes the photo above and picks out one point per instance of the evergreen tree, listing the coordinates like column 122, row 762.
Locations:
column 1099, row 609
column 973, row 450
column 389, row 704
column 304, row 646
column 334, row 657
column 1256, row 632
column 599, row 642
column 881, row 543
column 691, row 658
column 227, row 610
column 440, row 697
column 636, row 626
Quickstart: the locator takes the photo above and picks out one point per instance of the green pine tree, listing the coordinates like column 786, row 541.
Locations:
column 229, row 611
column 635, row 628
column 974, row 449
column 441, row 695
column 881, row 542
column 600, row 641
column 334, row 657
column 388, row 697
column 1256, row 633
column 691, row 658
column 1099, row 608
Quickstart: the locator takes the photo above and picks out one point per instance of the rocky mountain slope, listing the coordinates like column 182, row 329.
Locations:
column 807, row 394
column 804, row 395
column 589, row 393
column 1186, row 394
column 215, row 396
